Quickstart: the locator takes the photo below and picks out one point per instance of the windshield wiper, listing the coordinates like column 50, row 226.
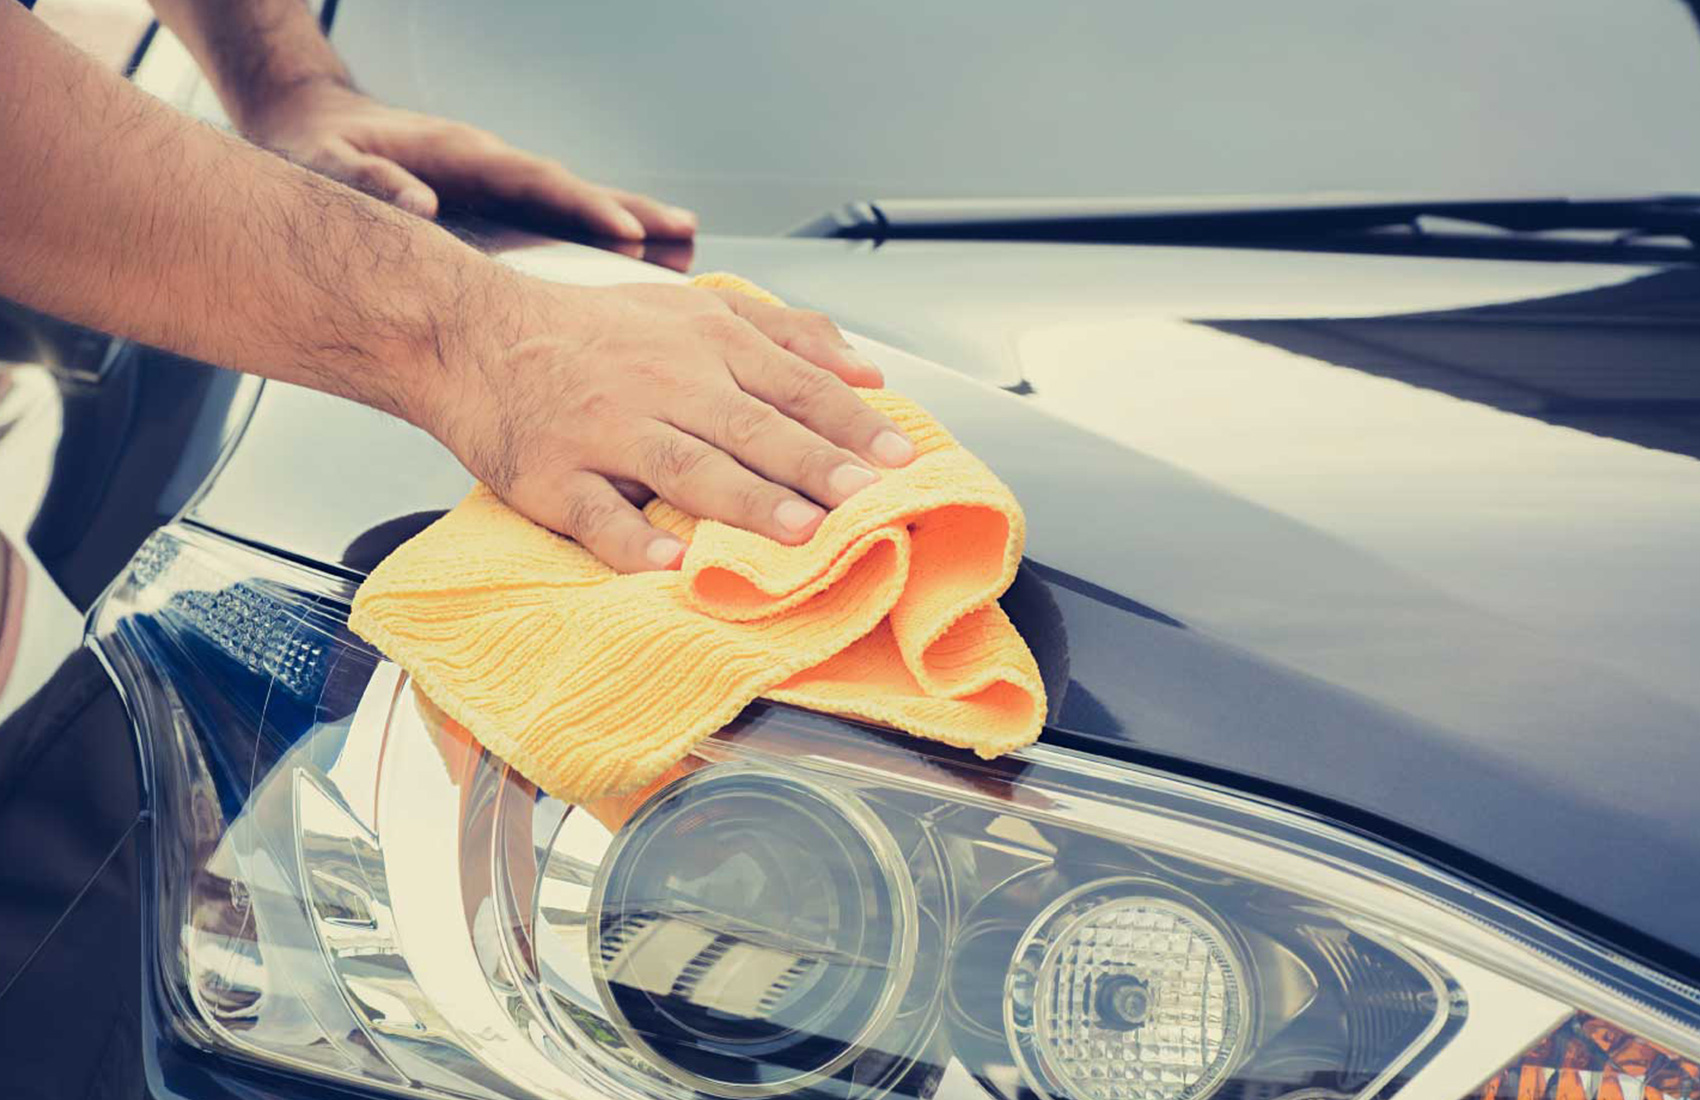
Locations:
column 1666, row 223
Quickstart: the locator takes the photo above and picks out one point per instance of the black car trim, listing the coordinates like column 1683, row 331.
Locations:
column 1375, row 226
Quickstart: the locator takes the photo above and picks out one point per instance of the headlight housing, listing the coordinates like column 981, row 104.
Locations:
column 349, row 887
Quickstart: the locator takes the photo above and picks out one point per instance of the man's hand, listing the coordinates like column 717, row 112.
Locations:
column 286, row 89
column 125, row 216
column 728, row 408
column 422, row 163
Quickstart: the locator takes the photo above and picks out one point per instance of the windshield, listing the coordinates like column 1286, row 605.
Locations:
column 762, row 114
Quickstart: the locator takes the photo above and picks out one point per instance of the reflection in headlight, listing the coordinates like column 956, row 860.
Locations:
column 751, row 931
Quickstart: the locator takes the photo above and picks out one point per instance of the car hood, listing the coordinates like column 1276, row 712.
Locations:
column 1408, row 541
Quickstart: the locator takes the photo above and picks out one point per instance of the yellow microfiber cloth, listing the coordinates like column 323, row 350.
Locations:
column 590, row 682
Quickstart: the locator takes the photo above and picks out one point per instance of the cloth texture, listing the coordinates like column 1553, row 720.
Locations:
column 591, row 682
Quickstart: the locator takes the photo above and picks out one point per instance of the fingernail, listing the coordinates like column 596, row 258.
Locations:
column 682, row 218
column 664, row 552
column 849, row 478
column 862, row 361
column 628, row 226
column 891, row 448
column 795, row 516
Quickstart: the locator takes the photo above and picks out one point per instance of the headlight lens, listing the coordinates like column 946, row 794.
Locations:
column 349, row 887
column 1127, row 990
column 750, row 932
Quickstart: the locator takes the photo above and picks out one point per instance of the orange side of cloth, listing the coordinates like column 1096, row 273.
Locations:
column 591, row 682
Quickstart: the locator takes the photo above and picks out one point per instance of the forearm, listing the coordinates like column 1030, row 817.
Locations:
column 254, row 51
column 120, row 213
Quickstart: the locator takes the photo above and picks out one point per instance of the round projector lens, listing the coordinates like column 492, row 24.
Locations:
column 1127, row 990
column 751, row 932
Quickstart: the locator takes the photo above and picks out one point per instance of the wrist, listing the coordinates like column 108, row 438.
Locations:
column 503, row 340
column 469, row 327
column 265, row 108
column 261, row 55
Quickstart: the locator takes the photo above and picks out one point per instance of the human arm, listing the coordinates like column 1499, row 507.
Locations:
column 285, row 88
column 120, row 213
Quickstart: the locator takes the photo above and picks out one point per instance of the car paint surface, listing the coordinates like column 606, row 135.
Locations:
column 1471, row 626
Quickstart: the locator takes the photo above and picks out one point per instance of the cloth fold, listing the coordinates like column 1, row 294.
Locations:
column 590, row 682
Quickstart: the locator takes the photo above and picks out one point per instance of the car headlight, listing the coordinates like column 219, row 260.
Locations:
column 348, row 886
column 1127, row 988
column 749, row 933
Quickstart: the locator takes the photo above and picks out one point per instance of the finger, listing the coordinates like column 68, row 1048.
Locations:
column 483, row 168
column 706, row 482
column 674, row 254
column 519, row 177
column 634, row 249
column 808, row 335
column 385, row 179
column 659, row 219
column 593, row 513
column 821, row 401
column 776, row 447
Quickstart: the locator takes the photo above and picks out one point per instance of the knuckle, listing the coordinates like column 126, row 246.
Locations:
column 597, row 407
column 378, row 182
column 688, row 462
column 361, row 175
column 818, row 323
column 584, row 516
column 755, row 503
column 649, row 372
column 809, row 390
column 669, row 461
column 471, row 137
column 711, row 298
column 322, row 158
column 741, row 424
column 721, row 326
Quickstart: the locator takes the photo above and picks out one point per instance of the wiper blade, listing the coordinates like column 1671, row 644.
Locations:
column 1306, row 218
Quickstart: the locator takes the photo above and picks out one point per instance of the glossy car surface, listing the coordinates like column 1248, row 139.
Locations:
column 1406, row 540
